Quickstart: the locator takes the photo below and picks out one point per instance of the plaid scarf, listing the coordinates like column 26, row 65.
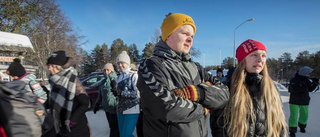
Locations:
column 65, row 82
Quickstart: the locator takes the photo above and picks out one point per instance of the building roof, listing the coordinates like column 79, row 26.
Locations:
column 14, row 42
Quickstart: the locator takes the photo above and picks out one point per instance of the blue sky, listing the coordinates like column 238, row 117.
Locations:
column 282, row 25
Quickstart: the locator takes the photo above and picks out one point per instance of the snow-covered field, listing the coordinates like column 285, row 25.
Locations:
column 99, row 123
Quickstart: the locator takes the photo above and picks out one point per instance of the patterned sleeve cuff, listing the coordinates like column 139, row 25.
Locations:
column 208, row 83
column 206, row 111
column 190, row 92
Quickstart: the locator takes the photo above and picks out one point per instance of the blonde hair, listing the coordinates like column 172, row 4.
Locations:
column 133, row 67
column 58, row 67
column 239, row 110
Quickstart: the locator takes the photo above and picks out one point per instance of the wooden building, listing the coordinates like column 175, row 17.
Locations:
column 14, row 46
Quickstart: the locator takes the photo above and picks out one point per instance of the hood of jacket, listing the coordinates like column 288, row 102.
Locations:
column 301, row 76
column 14, row 87
column 163, row 50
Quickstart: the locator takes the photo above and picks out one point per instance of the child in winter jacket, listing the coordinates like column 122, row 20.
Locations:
column 17, row 72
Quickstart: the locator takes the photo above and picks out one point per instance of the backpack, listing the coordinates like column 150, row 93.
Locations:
column 28, row 113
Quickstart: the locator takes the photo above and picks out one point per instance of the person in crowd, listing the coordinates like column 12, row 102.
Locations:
column 220, row 75
column 299, row 89
column 229, row 76
column 128, row 96
column 6, row 112
column 255, row 107
column 215, row 114
column 139, row 126
column 176, row 93
column 107, row 99
column 68, row 100
column 18, row 72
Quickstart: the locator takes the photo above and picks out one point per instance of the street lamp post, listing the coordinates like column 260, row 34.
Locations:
column 234, row 40
column 281, row 74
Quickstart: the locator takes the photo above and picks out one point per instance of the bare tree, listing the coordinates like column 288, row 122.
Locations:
column 53, row 31
column 156, row 36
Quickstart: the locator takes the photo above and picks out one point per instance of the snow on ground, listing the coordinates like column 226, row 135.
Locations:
column 100, row 128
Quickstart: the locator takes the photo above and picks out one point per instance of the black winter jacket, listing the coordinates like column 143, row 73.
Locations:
column 165, row 114
column 253, row 82
column 299, row 89
column 81, row 128
column 81, row 104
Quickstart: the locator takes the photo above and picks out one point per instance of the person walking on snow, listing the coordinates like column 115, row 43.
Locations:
column 299, row 89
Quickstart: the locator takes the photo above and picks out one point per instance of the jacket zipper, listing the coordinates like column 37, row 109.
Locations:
column 190, row 76
column 200, row 127
column 169, row 130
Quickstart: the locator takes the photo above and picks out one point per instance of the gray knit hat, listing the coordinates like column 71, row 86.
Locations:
column 109, row 66
column 123, row 57
column 305, row 71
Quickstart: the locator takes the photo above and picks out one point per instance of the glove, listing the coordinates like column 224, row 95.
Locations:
column 96, row 108
column 118, row 91
column 190, row 92
column 72, row 123
column 114, row 92
column 208, row 83
column 315, row 80
column 113, row 84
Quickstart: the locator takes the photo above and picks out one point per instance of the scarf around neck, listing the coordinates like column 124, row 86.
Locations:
column 65, row 80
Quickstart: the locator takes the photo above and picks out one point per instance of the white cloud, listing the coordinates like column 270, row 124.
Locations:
column 276, row 49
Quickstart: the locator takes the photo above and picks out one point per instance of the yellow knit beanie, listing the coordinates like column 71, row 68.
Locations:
column 173, row 22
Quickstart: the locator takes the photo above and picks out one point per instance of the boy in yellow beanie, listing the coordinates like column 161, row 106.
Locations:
column 179, row 24
column 174, row 97
column 173, row 22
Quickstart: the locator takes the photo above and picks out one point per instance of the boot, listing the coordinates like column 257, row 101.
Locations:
column 292, row 134
column 292, row 131
column 302, row 127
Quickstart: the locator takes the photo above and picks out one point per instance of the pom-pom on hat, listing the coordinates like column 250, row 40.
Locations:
column 173, row 22
column 109, row 66
column 305, row 71
column 248, row 47
column 15, row 68
column 123, row 57
column 58, row 58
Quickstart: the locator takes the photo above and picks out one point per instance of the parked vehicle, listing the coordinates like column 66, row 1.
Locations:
column 214, row 72
column 90, row 75
column 91, row 85
column 4, row 78
column 280, row 87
